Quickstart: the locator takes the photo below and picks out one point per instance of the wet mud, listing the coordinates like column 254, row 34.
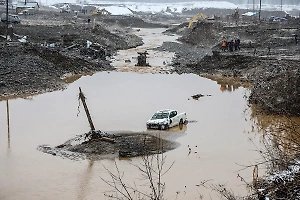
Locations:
column 98, row 145
column 268, row 58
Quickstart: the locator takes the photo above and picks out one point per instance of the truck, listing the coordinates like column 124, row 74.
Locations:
column 165, row 119
column 11, row 18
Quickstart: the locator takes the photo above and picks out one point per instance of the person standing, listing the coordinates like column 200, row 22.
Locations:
column 296, row 39
column 224, row 45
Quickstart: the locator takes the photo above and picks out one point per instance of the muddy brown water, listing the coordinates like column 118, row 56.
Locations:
column 124, row 101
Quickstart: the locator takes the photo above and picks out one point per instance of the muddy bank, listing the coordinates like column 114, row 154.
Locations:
column 30, row 69
column 57, row 46
column 268, row 59
column 97, row 145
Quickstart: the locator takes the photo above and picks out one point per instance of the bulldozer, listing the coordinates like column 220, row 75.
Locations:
column 102, row 11
column 195, row 18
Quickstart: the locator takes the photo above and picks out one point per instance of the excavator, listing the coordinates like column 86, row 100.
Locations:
column 195, row 18
column 102, row 11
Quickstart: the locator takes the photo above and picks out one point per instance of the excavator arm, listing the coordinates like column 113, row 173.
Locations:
column 195, row 18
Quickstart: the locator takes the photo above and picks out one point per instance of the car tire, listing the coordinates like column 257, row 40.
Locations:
column 164, row 127
column 167, row 127
column 180, row 122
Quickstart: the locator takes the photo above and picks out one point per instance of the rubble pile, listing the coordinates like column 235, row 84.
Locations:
column 42, row 52
column 96, row 144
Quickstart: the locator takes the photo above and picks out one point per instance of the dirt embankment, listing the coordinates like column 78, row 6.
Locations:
column 59, row 44
column 268, row 59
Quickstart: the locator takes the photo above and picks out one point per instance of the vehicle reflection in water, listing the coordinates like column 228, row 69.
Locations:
column 179, row 128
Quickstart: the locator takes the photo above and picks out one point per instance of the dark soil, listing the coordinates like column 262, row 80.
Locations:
column 268, row 59
column 95, row 145
column 55, row 49
column 57, row 45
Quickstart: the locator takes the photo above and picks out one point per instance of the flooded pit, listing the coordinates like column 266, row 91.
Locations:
column 124, row 102
column 119, row 101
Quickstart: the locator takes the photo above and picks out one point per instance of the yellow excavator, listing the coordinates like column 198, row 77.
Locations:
column 100, row 12
column 195, row 18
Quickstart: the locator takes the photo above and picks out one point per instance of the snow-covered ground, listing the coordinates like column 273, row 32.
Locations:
column 120, row 7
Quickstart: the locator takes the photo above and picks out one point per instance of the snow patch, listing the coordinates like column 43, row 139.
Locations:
column 286, row 175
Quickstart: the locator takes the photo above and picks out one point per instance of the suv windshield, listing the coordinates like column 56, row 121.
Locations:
column 160, row 116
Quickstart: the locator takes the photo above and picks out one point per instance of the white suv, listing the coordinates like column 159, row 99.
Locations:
column 11, row 18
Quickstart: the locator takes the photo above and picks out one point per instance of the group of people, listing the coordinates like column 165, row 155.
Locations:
column 232, row 45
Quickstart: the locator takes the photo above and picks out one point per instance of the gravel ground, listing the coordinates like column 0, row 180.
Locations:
column 273, row 72
column 54, row 50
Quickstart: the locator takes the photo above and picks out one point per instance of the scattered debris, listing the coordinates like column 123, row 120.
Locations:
column 197, row 96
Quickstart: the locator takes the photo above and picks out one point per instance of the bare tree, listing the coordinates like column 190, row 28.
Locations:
column 152, row 169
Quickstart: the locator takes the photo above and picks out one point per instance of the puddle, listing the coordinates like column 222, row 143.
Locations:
column 218, row 139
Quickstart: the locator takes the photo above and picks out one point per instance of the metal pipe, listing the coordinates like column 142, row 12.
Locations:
column 259, row 13
column 8, row 124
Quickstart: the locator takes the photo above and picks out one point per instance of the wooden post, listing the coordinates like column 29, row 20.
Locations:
column 8, row 126
column 82, row 97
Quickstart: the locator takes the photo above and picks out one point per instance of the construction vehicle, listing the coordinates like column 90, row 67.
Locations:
column 65, row 8
column 195, row 18
column 99, row 11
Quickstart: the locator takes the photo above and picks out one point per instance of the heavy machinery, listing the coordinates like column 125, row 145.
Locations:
column 99, row 11
column 65, row 8
column 195, row 18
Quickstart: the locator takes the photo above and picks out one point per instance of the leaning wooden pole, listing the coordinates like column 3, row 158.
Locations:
column 82, row 97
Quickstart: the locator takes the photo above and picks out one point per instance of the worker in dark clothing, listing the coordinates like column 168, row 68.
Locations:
column 296, row 39
column 230, row 46
column 238, row 44
column 235, row 45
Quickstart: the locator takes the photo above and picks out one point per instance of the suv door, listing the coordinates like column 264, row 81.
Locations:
column 173, row 118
